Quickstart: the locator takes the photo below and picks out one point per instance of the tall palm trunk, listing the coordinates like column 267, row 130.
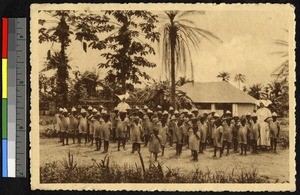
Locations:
column 172, row 37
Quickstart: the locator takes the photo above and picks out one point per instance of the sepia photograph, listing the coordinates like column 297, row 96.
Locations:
column 187, row 97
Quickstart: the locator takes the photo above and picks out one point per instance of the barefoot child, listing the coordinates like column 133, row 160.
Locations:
column 162, row 131
column 175, row 129
column 194, row 142
column 202, row 126
column 227, row 134
column 82, row 128
column 73, row 124
column 65, row 127
column 274, row 131
column 243, row 133
column 146, row 124
column 97, row 131
column 217, row 136
column 106, row 129
column 91, row 130
column 122, row 128
column 255, row 132
column 136, row 133
column 180, row 136
column 155, row 143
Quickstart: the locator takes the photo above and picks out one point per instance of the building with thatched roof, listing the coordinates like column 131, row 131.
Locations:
column 219, row 96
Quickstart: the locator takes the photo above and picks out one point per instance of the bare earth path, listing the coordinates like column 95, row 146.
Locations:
column 274, row 166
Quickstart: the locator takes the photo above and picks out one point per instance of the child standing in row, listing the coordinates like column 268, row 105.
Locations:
column 106, row 129
column 122, row 128
column 255, row 133
column 155, row 143
column 162, row 131
column 136, row 133
column 227, row 134
column 194, row 142
column 64, row 126
column 217, row 136
column 203, row 133
column 243, row 133
column 97, row 134
column 179, row 136
column 73, row 124
column 274, row 131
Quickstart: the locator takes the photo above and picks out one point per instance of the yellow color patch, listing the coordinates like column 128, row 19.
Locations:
column 4, row 78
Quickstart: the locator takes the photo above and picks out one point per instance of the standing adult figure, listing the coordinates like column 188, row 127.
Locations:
column 263, row 113
column 122, row 106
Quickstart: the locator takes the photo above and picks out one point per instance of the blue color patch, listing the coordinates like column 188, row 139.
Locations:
column 4, row 158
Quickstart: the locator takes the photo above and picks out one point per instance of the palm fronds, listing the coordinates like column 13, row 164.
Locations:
column 188, row 37
column 225, row 76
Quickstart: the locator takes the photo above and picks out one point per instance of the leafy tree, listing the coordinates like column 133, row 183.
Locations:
column 47, row 91
column 240, row 78
column 255, row 90
column 278, row 94
column 58, row 33
column 225, row 76
column 118, row 34
column 179, row 34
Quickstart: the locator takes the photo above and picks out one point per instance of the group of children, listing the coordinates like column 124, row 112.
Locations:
column 159, row 128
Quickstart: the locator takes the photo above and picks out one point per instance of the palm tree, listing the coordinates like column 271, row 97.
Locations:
column 224, row 75
column 282, row 71
column 240, row 78
column 255, row 90
column 178, row 35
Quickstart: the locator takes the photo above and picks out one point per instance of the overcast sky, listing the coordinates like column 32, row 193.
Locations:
column 248, row 42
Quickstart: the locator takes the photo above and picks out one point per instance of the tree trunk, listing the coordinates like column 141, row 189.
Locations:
column 62, row 70
column 172, row 37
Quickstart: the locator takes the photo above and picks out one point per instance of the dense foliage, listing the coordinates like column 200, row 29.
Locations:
column 119, row 35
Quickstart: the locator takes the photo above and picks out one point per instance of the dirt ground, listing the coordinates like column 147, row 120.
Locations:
column 274, row 166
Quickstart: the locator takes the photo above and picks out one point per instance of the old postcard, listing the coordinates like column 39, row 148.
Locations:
column 168, row 97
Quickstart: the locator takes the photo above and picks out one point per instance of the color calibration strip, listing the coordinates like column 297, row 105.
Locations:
column 4, row 96
column 14, row 97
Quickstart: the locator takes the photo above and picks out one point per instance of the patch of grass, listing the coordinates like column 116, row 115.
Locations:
column 69, row 171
